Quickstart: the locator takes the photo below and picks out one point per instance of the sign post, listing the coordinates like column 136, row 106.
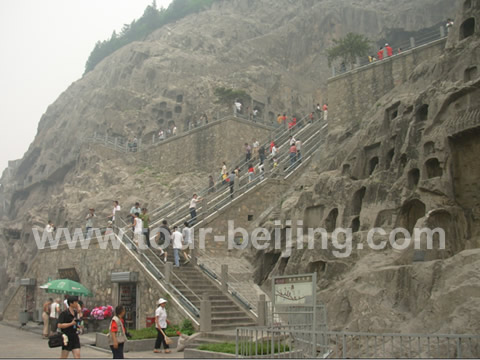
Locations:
column 289, row 292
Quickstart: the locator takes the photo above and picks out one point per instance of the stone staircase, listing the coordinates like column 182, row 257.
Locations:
column 189, row 283
column 193, row 284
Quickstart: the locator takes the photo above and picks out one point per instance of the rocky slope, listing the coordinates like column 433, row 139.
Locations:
column 424, row 175
column 272, row 49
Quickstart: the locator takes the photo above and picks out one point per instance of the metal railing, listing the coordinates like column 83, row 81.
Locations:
column 172, row 209
column 125, row 145
column 301, row 341
column 412, row 43
column 143, row 257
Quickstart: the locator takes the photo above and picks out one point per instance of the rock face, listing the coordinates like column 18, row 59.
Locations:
column 417, row 168
column 272, row 49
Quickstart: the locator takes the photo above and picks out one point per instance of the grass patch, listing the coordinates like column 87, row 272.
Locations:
column 229, row 348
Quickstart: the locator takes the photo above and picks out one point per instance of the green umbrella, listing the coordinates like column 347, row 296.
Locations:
column 66, row 286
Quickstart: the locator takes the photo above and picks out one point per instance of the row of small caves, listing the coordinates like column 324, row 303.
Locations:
column 165, row 115
column 412, row 210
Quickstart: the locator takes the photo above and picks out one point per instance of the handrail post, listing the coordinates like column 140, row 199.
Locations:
column 204, row 203
column 194, row 255
column 262, row 311
column 168, row 272
column 106, row 138
column 224, row 277
column 205, row 314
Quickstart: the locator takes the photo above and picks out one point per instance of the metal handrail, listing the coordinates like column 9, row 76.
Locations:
column 423, row 39
column 170, row 208
column 156, row 268
column 277, row 135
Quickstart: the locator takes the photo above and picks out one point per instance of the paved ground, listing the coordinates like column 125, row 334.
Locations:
column 21, row 343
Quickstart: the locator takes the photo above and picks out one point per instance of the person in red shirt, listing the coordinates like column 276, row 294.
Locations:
column 325, row 112
column 389, row 50
column 380, row 54
column 272, row 144
column 251, row 173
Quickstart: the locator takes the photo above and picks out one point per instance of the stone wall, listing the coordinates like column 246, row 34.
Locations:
column 94, row 267
column 351, row 95
column 207, row 147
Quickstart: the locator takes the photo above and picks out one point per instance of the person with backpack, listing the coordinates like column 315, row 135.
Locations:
column 117, row 336
column 68, row 324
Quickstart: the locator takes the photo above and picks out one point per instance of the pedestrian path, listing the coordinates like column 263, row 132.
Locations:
column 27, row 342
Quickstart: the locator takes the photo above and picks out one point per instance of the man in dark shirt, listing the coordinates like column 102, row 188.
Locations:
column 68, row 323
column 261, row 153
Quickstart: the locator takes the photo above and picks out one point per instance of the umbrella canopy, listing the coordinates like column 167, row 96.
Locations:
column 66, row 286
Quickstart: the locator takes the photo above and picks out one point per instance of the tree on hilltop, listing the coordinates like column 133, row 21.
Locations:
column 348, row 48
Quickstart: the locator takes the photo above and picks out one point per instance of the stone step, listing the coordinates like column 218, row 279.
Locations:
column 223, row 314
column 230, row 326
column 230, row 320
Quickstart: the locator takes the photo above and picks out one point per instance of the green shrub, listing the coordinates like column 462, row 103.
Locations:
column 151, row 332
column 186, row 327
column 248, row 349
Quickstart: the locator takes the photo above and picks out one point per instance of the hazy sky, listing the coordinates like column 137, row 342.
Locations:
column 45, row 44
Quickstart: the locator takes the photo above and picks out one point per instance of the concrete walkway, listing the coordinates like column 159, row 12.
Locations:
column 27, row 342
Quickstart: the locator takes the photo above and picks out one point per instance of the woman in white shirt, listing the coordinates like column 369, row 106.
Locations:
column 161, row 323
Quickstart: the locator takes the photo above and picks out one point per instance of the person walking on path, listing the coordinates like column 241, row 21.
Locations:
column 116, row 208
column 89, row 226
column 187, row 241
column 211, row 185
column 389, row 50
column 117, row 334
column 224, row 173
column 293, row 154
column 193, row 208
column 145, row 217
column 68, row 323
column 231, row 183
column 248, row 152
column 380, row 54
column 177, row 242
column 45, row 317
column 298, row 145
column 135, row 209
column 138, row 231
column 164, row 234
column 251, row 173
column 325, row 112
column 161, row 323
column 261, row 154
column 279, row 119
column 54, row 314
column 291, row 141
column 255, row 146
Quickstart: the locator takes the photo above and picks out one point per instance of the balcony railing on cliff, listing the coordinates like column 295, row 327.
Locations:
column 123, row 144
column 398, row 50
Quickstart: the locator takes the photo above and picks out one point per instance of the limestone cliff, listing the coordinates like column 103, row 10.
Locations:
column 409, row 161
column 272, row 49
